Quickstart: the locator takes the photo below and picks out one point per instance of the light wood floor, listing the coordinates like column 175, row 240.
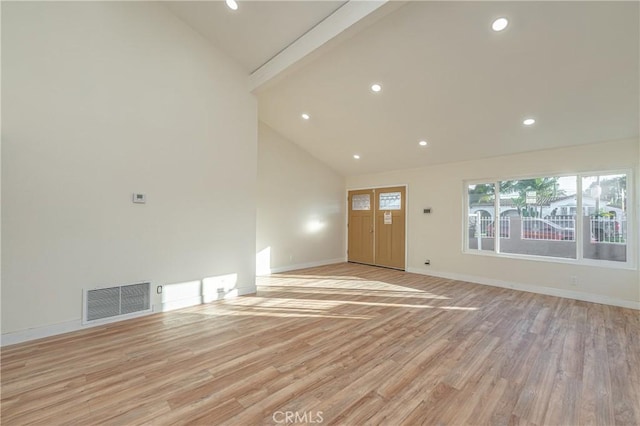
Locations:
column 345, row 344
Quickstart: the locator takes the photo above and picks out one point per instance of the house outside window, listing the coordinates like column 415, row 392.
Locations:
column 583, row 218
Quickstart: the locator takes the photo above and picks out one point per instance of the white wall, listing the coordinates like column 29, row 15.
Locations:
column 301, row 202
column 100, row 100
column 437, row 236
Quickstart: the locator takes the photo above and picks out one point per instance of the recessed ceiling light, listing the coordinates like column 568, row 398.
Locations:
column 528, row 121
column 422, row 143
column 500, row 24
column 356, row 156
column 233, row 5
column 306, row 116
column 376, row 87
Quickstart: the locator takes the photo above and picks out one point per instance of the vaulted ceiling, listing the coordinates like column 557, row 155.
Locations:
column 446, row 76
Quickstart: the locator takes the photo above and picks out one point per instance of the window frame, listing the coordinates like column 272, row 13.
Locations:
column 632, row 235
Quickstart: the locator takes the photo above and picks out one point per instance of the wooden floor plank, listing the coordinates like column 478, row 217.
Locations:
column 349, row 344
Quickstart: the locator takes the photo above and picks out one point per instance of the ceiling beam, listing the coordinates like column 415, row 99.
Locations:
column 345, row 18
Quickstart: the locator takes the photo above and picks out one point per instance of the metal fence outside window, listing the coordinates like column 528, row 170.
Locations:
column 604, row 230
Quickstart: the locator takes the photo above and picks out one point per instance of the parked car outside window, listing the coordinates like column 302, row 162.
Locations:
column 543, row 229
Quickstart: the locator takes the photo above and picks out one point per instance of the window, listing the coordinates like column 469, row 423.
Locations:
column 390, row 201
column 580, row 217
column 604, row 202
column 361, row 202
column 481, row 206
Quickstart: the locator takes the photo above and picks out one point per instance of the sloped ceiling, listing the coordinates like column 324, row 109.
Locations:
column 447, row 78
column 258, row 30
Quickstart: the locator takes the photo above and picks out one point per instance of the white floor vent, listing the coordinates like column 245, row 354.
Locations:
column 114, row 302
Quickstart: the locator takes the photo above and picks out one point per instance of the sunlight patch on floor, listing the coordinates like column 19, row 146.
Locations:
column 458, row 308
column 279, row 302
column 318, row 277
column 267, row 313
column 351, row 292
column 335, row 282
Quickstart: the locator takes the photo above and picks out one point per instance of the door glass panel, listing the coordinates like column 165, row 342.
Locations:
column 361, row 202
column 390, row 201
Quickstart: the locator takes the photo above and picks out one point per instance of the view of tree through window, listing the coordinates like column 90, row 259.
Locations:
column 605, row 203
column 548, row 216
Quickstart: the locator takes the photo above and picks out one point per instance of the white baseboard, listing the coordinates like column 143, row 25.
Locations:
column 41, row 332
column 75, row 325
column 62, row 328
column 307, row 265
column 549, row 291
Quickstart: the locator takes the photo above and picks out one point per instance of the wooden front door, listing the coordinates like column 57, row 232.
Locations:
column 360, row 226
column 390, row 227
column 377, row 226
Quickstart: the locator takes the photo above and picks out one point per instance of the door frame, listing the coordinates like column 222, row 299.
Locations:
column 406, row 218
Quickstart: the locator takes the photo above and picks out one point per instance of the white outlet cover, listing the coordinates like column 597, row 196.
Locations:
column 139, row 198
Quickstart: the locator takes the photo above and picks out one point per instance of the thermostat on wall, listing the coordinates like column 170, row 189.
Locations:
column 139, row 198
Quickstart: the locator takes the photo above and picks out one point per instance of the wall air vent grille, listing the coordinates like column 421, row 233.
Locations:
column 113, row 302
